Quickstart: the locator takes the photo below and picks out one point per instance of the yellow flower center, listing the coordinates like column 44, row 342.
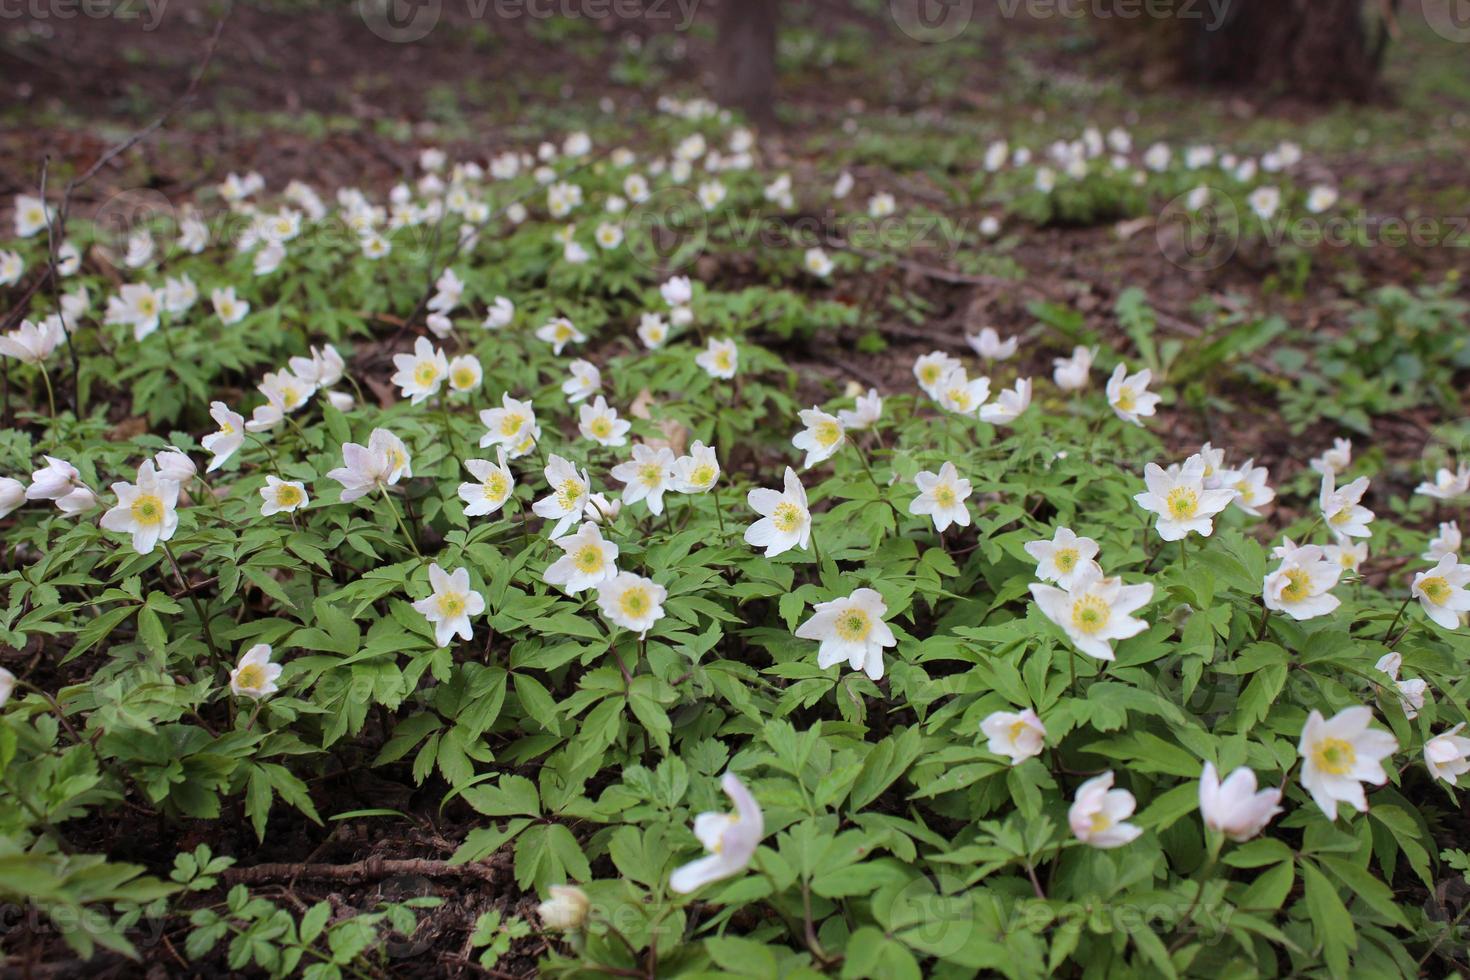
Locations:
column 828, row 433
column 510, row 423
column 451, row 604
column 1334, row 756
column 226, row 428
column 563, row 332
column 854, row 625
column 147, row 509
column 651, row 474
column 1018, row 728
column 722, row 359
column 425, row 373
column 147, row 305
column 944, row 495
column 960, row 399
column 1298, row 585
column 635, row 602
column 463, row 378
column 929, row 374
column 1065, row 559
column 703, row 475
column 1099, row 822
column 291, row 396
column 588, row 558
column 569, row 493
column 250, row 677
column 496, row 485
column 1127, row 399
column 786, row 517
column 1182, row 503
column 287, row 495
column 1341, row 516
column 601, row 427
column 1090, row 614
column 1435, row 589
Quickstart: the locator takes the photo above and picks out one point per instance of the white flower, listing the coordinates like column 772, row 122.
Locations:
column 1180, row 499
column 1265, row 201
column 1350, row 556
column 1447, row 484
column 817, row 263
column 1234, row 807
column 588, row 560
column 282, row 496
column 989, row 345
column 1301, row 586
column 284, row 393
column 1099, row 813
column 1336, row 459
column 931, row 369
column 1340, row 754
column 31, row 215
column 12, row 496
column 1018, row 735
column 1447, row 543
column 180, row 294
column 1094, row 611
column 720, row 359
column 502, row 311
column 1413, row 691
column 1046, row 180
column 711, row 194
column 269, row 259
column 1064, row 557
column 869, row 410
column 942, row 497
column 632, row 602
column 652, row 330
column 1129, row 395
column 822, row 436
column 584, row 382
column 851, row 629
column 381, row 463
column 731, row 840
column 145, row 509
column 697, row 472
column 961, row 394
column 600, row 510
column 32, row 343
column 493, row 489
column 420, row 374
column 601, row 424
column 255, row 676
column 465, row 373
column 1441, row 591
column 996, row 154
column 229, row 438
column 11, row 268
column 1008, row 405
column 1251, row 489
column 451, row 605
column 785, row 522
column 138, row 305
column 1070, row 373
column 568, row 496
column 565, row 910
column 228, row 307
column 54, row 481
column 1345, row 516
column 1321, row 198
column 646, row 476
column 558, row 333
column 678, row 291
column 513, row 426
column 1447, row 756
column 140, row 250
column 881, row 205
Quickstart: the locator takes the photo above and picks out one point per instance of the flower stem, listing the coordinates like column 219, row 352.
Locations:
column 388, row 499
column 198, row 606
column 50, row 395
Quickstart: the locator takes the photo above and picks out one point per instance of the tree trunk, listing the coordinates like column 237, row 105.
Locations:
column 746, row 62
column 1317, row 50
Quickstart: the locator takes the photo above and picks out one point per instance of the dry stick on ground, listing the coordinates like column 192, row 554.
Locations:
column 371, row 869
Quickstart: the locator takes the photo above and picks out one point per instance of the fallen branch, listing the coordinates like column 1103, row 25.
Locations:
column 372, row 869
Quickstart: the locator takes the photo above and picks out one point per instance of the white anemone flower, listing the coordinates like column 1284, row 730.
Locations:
column 1017, row 735
column 647, row 476
column 942, row 497
column 632, row 602
column 1129, row 396
column 785, row 522
column 451, row 605
column 282, row 496
column 600, row 423
column 730, row 839
column 420, row 374
column 493, row 487
column 145, row 510
column 1341, row 753
column 1441, row 592
column 1095, row 611
column 568, row 497
column 1234, row 807
column 720, row 359
column 820, row 438
column 587, row 562
column 1064, row 557
column 254, row 676
column 851, row 629
column 1342, row 509
column 1180, row 499
column 1301, row 586
column 1099, row 814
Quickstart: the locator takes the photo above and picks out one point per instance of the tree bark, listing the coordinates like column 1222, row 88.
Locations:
column 746, row 61
column 1318, row 50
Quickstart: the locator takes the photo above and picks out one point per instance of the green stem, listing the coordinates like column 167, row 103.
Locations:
column 388, row 499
